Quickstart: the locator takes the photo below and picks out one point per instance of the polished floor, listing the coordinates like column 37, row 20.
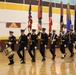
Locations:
column 60, row 66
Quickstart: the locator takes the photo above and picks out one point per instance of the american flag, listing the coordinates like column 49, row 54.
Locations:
column 39, row 14
column 30, row 18
column 50, row 17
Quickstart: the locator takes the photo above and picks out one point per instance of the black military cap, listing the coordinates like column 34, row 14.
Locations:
column 68, row 31
column 33, row 30
column 10, row 31
column 54, row 30
column 71, row 29
column 22, row 30
column 63, row 31
column 43, row 28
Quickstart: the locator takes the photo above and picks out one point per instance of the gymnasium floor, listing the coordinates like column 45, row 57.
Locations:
column 60, row 66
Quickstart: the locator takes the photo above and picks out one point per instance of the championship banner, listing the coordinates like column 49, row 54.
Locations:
column 13, row 25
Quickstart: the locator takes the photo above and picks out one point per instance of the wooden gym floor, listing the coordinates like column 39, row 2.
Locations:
column 60, row 66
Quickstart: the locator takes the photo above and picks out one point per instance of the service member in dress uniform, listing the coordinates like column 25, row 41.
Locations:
column 33, row 44
column 71, row 41
column 67, row 36
column 63, row 44
column 11, row 44
column 11, row 40
column 53, row 44
column 75, row 40
column 43, row 43
column 22, row 45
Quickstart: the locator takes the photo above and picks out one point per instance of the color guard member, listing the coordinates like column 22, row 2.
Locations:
column 11, row 43
column 11, row 40
column 63, row 44
column 22, row 45
column 43, row 43
column 32, row 46
column 71, row 41
column 53, row 44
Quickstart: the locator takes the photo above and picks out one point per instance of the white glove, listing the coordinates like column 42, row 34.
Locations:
column 9, row 43
column 45, row 46
column 16, row 42
column 64, row 45
column 54, row 40
column 35, row 47
column 25, row 48
column 6, row 46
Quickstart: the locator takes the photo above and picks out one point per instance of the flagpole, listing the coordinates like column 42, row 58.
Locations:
column 23, row 4
column 5, row 4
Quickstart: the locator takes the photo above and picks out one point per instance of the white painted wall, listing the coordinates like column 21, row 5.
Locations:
column 22, row 17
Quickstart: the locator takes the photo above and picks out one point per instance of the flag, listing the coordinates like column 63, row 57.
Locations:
column 39, row 14
column 50, row 17
column 75, row 20
column 29, row 18
column 68, row 17
column 61, row 18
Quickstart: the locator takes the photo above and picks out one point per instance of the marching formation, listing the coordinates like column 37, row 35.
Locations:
column 30, row 42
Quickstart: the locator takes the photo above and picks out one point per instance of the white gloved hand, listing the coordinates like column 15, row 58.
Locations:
column 64, row 45
column 54, row 40
column 16, row 42
column 9, row 43
column 6, row 46
column 45, row 46
column 25, row 48
column 35, row 47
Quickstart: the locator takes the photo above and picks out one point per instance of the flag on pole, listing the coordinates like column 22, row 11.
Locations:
column 75, row 20
column 68, row 17
column 50, row 17
column 61, row 18
column 39, row 14
column 29, row 18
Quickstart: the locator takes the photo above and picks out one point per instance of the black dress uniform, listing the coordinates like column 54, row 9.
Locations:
column 75, row 40
column 63, row 44
column 71, row 41
column 53, row 44
column 67, row 36
column 22, row 45
column 11, row 42
column 33, row 43
column 43, row 43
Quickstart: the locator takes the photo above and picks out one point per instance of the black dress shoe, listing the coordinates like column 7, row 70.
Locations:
column 65, row 55
column 62, row 57
column 22, row 62
column 33, row 60
column 11, row 63
column 71, row 55
column 53, row 58
column 43, row 59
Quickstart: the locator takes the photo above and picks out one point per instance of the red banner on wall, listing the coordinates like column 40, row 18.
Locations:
column 13, row 25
